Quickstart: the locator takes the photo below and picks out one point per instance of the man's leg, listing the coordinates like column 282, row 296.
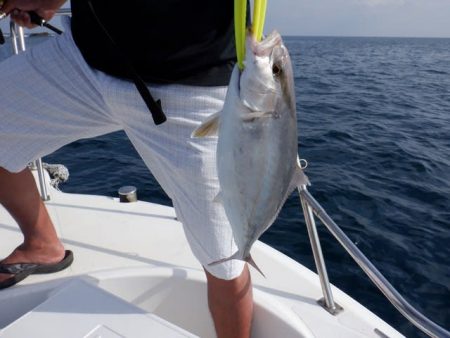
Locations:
column 186, row 169
column 36, row 122
column 231, row 305
column 19, row 195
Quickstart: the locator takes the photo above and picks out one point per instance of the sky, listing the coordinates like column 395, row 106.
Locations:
column 400, row 18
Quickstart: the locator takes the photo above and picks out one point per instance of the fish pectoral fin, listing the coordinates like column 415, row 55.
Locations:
column 208, row 128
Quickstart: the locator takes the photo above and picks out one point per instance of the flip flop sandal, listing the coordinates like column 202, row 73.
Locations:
column 51, row 268
column 20, row 271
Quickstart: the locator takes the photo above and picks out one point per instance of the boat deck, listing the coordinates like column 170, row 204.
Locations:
column 138, row 252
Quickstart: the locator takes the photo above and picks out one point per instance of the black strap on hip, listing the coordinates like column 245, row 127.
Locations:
column 154, row 106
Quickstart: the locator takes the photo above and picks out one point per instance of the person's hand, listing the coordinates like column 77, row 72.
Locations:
column 18, row 9
column 22, row 18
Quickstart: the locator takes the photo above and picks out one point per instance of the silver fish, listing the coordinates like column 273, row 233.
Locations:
column 257, row 151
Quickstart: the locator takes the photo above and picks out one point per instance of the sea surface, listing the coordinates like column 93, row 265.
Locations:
column 374, row 126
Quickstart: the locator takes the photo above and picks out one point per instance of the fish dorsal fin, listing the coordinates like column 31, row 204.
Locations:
column 208, row 128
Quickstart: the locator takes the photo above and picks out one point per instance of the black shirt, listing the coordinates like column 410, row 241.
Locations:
column 167, row 41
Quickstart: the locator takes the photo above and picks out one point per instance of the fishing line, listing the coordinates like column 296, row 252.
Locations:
column 37, row 20
column 153, row 105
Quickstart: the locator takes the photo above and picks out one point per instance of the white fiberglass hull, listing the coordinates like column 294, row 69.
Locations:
column 138, row 254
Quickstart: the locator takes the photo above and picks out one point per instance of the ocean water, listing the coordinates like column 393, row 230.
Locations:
column 374, row 125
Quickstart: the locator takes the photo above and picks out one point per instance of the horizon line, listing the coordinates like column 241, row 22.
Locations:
column 364, row 36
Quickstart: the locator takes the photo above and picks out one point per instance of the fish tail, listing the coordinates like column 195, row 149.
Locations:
column 236, row 255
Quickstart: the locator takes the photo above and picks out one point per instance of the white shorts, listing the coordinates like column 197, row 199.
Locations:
column 50, row 97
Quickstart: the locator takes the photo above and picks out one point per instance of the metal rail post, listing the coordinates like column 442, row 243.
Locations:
column 327, row 302
column 415, row 317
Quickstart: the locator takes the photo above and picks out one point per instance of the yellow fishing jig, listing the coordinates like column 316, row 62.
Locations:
column 259, row 17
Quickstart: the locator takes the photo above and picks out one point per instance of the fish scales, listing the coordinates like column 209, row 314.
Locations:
column 257, row 148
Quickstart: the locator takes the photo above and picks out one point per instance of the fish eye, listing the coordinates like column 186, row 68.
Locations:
column 276, row 70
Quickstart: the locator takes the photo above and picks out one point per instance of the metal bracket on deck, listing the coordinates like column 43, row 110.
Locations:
column 334, row 311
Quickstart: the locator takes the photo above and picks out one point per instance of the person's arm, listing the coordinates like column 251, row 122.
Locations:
column 18, row 9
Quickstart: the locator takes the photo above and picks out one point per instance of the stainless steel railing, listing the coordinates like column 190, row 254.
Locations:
column 311, row 207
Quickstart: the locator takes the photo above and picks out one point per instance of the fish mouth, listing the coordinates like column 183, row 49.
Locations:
column 266, row 46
